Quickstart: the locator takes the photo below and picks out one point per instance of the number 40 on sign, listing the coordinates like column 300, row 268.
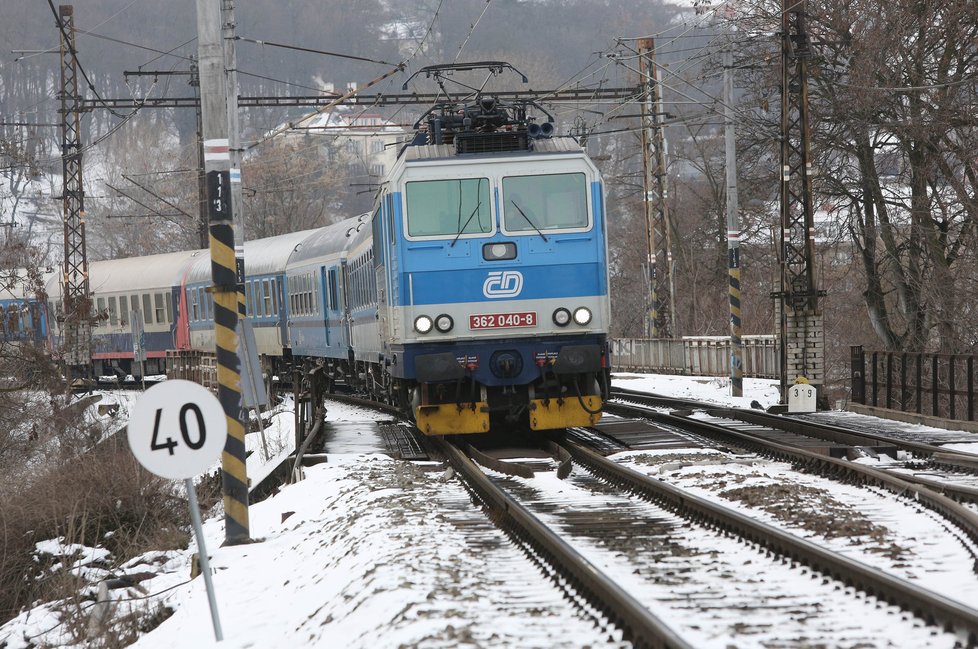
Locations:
column 177, row 429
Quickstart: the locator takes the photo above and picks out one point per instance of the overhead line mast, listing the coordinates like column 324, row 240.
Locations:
column 76, row 325
column 802, row 329
column 662, row 298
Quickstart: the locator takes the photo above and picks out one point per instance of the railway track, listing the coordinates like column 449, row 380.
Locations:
column 636, row 622
column 828, row 449
column 643, row 530
column 584, row 578
column 854, row 433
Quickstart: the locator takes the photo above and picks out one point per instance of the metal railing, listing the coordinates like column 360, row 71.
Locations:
column 939, row 385
column 695, row 355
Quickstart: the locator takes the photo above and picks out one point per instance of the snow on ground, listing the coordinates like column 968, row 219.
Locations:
column 701, row 388
column 365, row 551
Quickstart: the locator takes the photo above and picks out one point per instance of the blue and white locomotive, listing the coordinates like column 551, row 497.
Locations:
column 490, row 252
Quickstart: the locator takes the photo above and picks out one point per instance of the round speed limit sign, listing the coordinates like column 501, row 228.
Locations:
column 177, row 429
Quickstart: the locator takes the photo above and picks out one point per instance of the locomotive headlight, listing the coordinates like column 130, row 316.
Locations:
column 562, row 317
column 582, row 315
column 422, row 324
column 444, row 323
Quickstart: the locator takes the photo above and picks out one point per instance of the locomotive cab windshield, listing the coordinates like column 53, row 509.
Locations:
column 448, row 207
column 541, row 203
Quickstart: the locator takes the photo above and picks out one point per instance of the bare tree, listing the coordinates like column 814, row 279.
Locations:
column 894, row 135
column 294, row 184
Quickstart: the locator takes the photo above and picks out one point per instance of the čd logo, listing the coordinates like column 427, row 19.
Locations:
column 503, row 283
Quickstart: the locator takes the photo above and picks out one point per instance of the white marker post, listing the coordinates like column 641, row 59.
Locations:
column 177, row 431
column 802, row 397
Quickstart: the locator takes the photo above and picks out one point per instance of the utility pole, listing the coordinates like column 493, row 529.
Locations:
column 76, row 327
column 661, row 319
column 802, row 330
column 234, row 143
column 217, row 165
column 733, row 229
column 201, row 176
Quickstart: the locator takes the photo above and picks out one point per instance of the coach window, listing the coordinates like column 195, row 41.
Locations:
column 300, row 294
column 123, row 310
column 448, row 207
column 147, row 309
column 314, row 292
column 159, row 314
column 274, row 286
column 113, row 313
column 100, row 309
column 552, row 202
column 267, row 296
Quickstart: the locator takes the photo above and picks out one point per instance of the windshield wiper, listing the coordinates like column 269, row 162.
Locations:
column 462, row 229
column 528, row 220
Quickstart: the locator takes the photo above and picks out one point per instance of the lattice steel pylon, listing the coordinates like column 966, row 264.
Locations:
column 661, row 318
column 800, row 317
column 76, row 322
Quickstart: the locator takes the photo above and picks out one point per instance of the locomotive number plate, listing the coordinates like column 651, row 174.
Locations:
column 501, row 320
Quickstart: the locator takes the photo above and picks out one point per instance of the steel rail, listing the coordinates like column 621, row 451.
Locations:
column 805, row 427
column 636, row 622
column 933, row 495
column 962, row 459
column 933, row 608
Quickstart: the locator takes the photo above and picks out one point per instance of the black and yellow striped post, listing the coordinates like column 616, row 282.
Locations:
column 217, row 167
column 733, row 230
column 736, row 344
column 225, row 291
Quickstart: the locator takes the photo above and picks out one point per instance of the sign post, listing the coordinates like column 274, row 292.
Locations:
column 177, row 431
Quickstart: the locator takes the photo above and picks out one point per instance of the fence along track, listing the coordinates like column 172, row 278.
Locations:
column 931, row 607
column 635, row 621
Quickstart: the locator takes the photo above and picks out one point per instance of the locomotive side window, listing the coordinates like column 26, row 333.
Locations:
column 123, row 310
column 448, row 207
column 551, row 202
column 113, row 314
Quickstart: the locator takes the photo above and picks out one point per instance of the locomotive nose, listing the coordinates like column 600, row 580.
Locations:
column 506, row 364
